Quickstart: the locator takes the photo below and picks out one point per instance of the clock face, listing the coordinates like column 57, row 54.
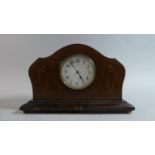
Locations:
column 77, row 71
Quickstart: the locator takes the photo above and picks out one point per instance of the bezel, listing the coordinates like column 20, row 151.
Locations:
column 79, row 55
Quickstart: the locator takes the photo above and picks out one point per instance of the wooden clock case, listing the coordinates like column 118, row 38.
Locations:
column 50, row 95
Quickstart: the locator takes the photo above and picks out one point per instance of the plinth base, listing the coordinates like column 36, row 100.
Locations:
column 77, row 106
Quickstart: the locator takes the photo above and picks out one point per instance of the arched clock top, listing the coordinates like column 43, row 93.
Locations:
column 77, row 74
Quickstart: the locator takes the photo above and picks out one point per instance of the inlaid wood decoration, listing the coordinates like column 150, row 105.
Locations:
column 77, row 79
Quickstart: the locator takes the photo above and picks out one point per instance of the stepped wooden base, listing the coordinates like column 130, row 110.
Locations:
column 77, row 106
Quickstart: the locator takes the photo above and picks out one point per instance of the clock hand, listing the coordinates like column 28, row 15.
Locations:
column 74, row 67
column 77, row 73
column 82, row 79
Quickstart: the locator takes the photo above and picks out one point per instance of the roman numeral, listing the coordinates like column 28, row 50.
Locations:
column 77, row 83
column 72, row 61
column 77, row 60
column 65, row 71
column 67, row 65
column 67, row 77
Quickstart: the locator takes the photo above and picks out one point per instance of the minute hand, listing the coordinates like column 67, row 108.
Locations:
column 77, row 73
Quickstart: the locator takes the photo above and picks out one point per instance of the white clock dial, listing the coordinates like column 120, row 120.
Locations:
column 77, row 71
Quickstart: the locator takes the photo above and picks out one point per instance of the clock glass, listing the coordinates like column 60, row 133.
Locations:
column 77, row 71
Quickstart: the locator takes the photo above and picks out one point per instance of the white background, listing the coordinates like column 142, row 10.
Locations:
column 136, row 52
column 89, row 16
